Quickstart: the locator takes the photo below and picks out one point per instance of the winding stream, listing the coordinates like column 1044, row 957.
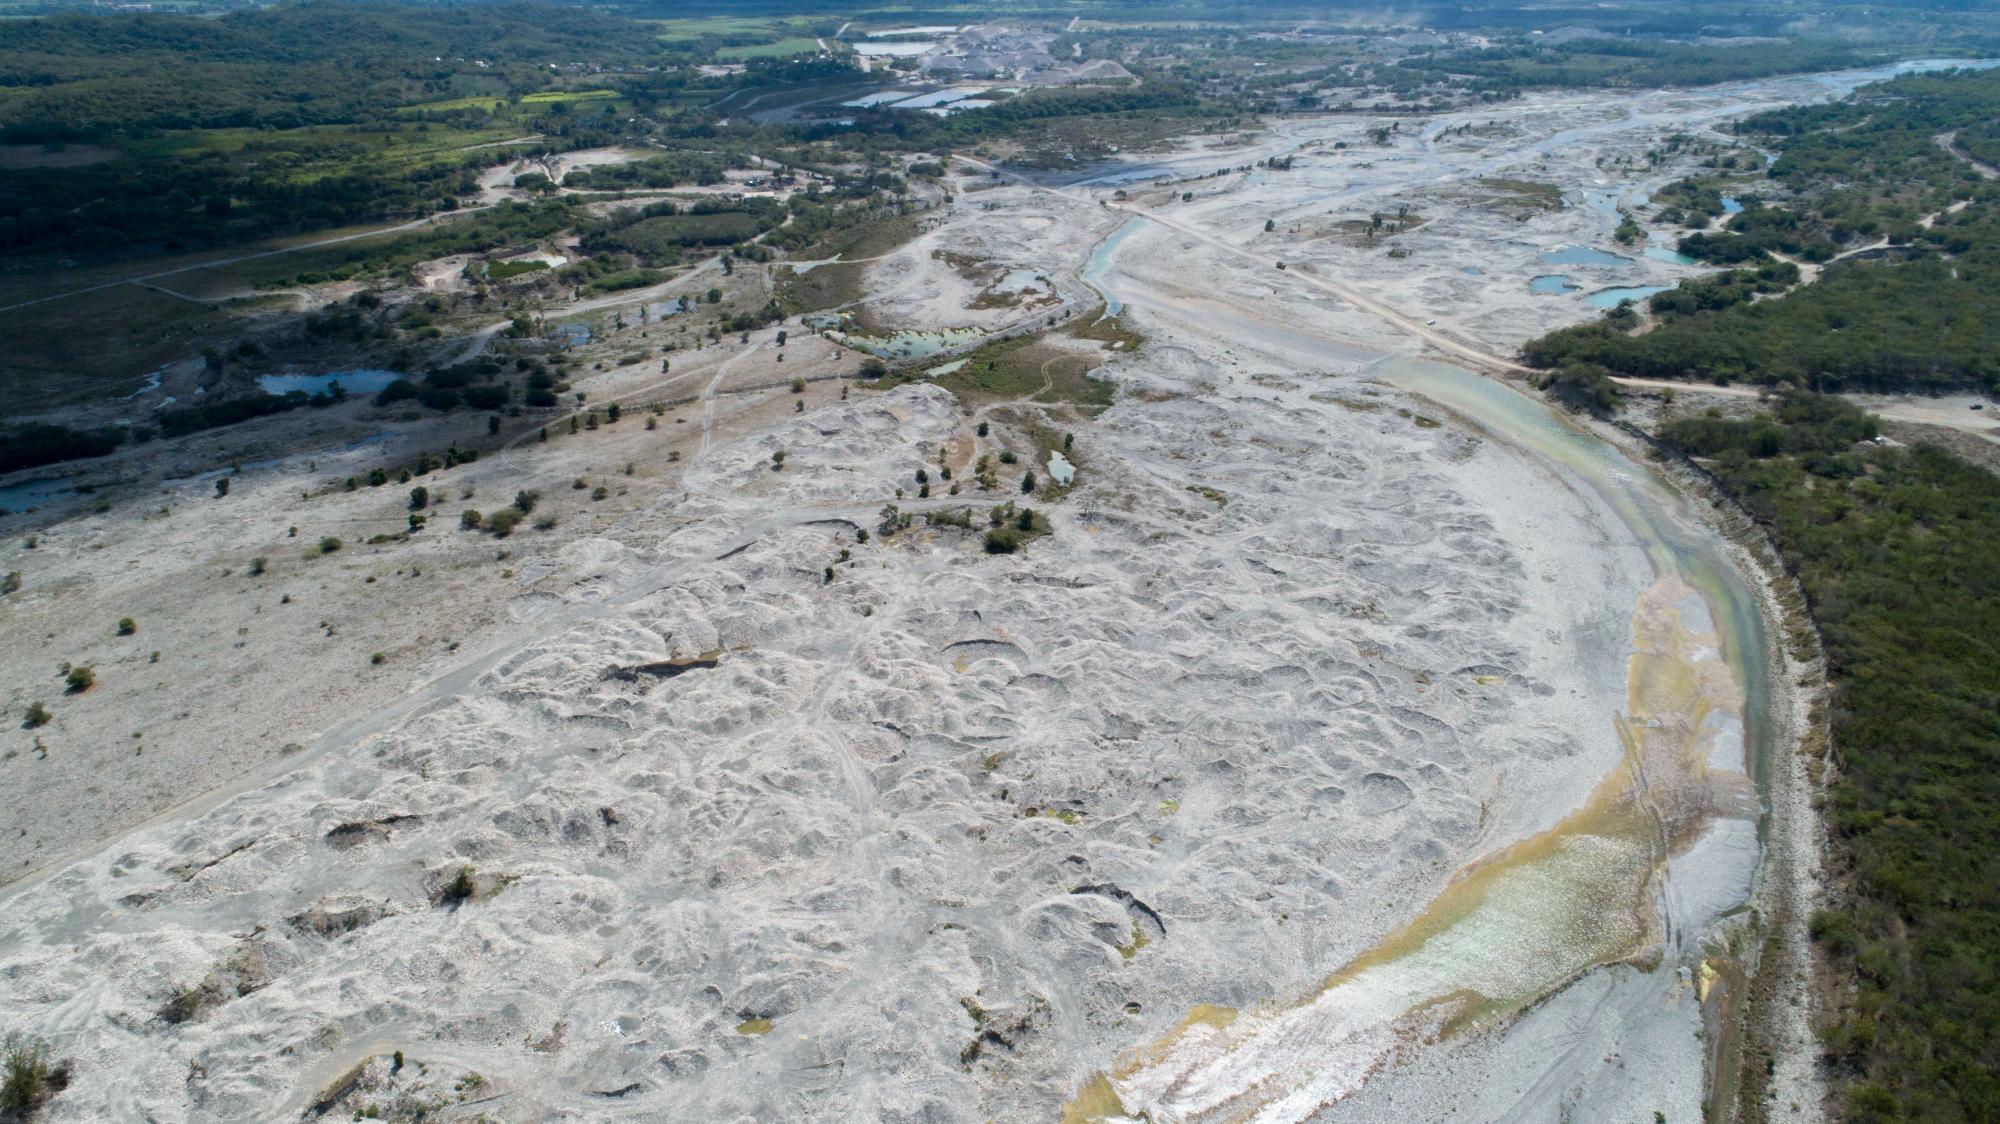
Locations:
column 1666, row 845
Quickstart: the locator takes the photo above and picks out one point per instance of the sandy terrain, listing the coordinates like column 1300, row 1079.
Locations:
column 830, row 829
column 647, row 814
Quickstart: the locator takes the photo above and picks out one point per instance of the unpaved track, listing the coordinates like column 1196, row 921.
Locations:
column 1948, row 413
column 413, row 224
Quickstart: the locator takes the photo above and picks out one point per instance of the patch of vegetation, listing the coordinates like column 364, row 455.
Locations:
column 783, row 48
column 32, row 446
column 1898, row 551
column 507, row 270
column 1013, row 528
column 1523, row 197
column 1696, row 200
column 863, row 235
column 29, row 1079
column 462, row 887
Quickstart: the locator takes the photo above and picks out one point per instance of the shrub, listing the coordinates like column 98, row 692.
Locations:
column 29, row 1080
column 80, row 679
column 396, row 391
column 503, row 521
column 460, row 889
column 1582, row 387
column 488, row 397
column 1003, row 540
column 1007, row 456
column 329, row 544
column 258, row 565
column 127, row 626
column 798, row 386
column 187, row 1003
column 1028, row 483
column 420, row 498
column 37, row 716
column 524, row 501
column 439, row 397
column 470, row 519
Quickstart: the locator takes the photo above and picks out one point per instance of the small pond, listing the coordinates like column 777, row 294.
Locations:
column 16, row 498
column 1060, row 470
column 1573, row 254
column 1552, row 283
column 909, row 345
column 934, row 98
column 353, row 382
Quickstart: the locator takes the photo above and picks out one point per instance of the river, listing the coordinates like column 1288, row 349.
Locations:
column 1645, row 875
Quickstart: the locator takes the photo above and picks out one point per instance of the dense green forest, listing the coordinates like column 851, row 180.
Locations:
column 1916, row 307
column 90, row 77
column 1898, row 550
column 285, row 119
column 1636, row 64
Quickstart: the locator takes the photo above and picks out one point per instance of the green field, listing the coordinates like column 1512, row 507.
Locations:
column 717, row 27
column 781, row 49
column 493, row 102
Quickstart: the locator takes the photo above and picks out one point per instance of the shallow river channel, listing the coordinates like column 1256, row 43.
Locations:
column 1643, row 874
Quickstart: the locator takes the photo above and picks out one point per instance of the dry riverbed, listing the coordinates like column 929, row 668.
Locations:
column 700, row 802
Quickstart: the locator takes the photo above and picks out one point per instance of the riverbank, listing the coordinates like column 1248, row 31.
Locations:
column 1770, row 1065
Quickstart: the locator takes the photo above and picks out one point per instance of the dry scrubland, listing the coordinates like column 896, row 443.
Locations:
column 698, row 803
